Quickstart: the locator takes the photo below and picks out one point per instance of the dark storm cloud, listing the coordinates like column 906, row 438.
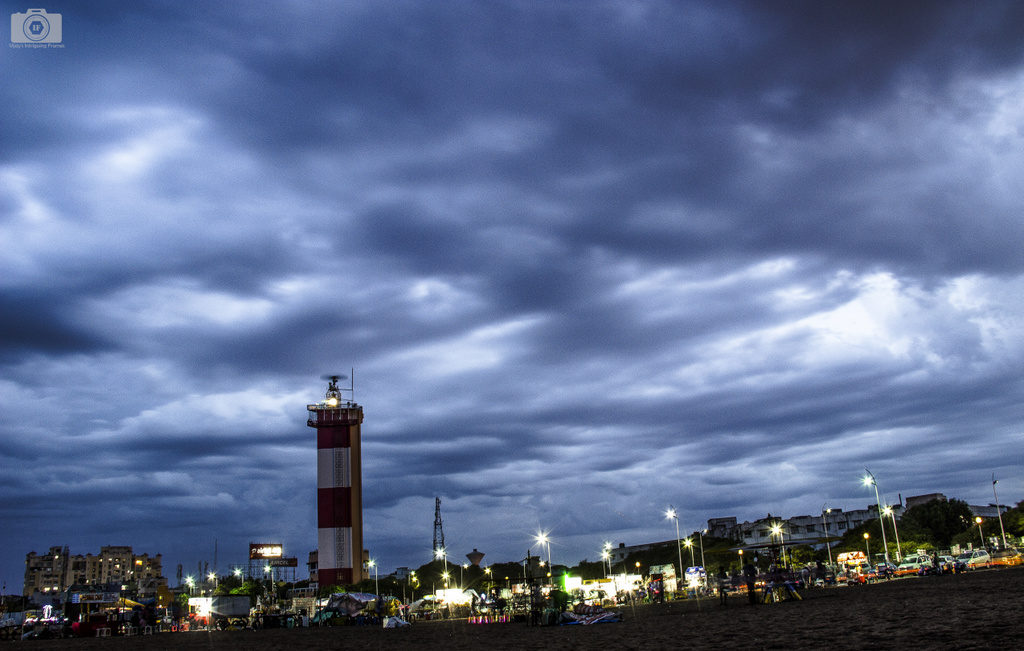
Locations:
column 40, row 324
column 585, row 258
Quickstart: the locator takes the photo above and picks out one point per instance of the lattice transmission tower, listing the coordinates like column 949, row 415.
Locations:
column 438, row 527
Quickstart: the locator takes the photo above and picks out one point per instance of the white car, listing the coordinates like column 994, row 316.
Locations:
column 975, row 559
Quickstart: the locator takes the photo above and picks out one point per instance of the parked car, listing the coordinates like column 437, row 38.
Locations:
column 913, row 564
column 947, row 564
column 975, row 559
column 883, row 571
column 1007, row 557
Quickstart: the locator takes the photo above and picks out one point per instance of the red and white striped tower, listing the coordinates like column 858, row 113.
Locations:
column 339, row 487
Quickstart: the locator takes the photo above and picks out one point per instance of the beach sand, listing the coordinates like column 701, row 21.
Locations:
column 977, row 610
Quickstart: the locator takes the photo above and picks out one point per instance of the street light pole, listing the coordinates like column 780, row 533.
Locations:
column 441, row 552
column 981, row 535
column 542, row 538
column 999, row 511
column 870, row 481
column 867, row 547
column 892, row 514
column 689, row 543
column 376, row 584
column 776, row 530
column 671, row 513
column 824, row 525
column 701, row 534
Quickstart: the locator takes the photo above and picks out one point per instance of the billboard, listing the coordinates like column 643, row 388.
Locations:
column 283, row 562
column 265, row 550
column 94, row 598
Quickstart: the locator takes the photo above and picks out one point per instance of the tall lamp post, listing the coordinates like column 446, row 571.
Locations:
column 689, row 543
column 671, row 514
column 441, row 552
column 981, row 535
column 892, row 514
column 462, row 578
column 824, row 525
column 999, row 511
column 870, row 481
column 777, row 531
column 606, row 553
column 867, row 547
column 543, row 539
column 376, row 584
column 701, row 534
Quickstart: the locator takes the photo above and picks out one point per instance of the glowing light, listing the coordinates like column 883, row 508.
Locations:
column 454, row 596
column 201, row 605
column 671, row 513
column 332, row 402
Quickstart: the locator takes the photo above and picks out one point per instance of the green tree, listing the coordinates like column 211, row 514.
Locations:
column 942, row 519
column 1013, row 521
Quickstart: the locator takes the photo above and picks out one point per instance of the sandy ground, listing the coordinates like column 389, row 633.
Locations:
column 977, row 610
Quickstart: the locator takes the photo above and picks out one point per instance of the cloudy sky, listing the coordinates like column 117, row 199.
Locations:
column 587, row 259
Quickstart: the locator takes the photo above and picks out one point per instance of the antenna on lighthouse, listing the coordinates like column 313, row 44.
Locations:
column 334, row 391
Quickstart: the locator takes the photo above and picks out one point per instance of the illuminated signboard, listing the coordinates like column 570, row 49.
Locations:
column 94, row 598
column 265, row 550
column 283, row 562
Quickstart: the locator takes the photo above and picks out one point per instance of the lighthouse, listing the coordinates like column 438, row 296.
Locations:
column 339, row 487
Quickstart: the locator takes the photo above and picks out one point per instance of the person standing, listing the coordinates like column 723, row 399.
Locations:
column 750, row 576
column 723, row 586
